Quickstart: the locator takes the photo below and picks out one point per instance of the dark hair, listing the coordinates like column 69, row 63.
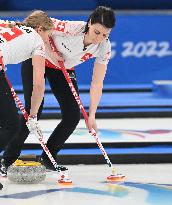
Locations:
column 102, row 15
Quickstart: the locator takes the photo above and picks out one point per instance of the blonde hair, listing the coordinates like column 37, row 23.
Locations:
column 36, row 19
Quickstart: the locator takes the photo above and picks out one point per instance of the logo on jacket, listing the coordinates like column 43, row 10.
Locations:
column 86, row 56
column 60, row 26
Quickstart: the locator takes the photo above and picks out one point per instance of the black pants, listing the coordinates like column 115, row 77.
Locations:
column 9, row 119
column 69, row 110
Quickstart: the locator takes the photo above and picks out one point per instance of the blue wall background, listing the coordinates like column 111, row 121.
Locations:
column 83, row 5
column 141, row 50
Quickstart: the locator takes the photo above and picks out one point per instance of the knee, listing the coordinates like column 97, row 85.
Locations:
column 72, row 119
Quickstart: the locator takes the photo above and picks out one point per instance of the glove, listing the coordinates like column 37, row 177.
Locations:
column 32, row 123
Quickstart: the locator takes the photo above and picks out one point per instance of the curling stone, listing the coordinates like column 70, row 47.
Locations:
column 26, row 172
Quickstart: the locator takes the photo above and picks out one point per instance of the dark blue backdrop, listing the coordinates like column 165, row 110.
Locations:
column 84, row 5
column 141, row 51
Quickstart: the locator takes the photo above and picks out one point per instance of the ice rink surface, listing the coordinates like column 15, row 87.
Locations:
column 145, row 184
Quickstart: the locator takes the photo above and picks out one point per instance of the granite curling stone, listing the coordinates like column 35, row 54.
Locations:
column 26, row 172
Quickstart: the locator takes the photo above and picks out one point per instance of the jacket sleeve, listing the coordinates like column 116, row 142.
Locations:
column 68, row 28
column 104, row 54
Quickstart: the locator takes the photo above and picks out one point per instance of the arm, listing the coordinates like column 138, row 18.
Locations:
column 96, row 92
column 68, row 28
column 38, row 63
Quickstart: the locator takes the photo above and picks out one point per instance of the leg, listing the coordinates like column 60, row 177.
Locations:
column 13, row 150
column 8, row 115
column 1, row 186
column 69, row 110
column 9, row 118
